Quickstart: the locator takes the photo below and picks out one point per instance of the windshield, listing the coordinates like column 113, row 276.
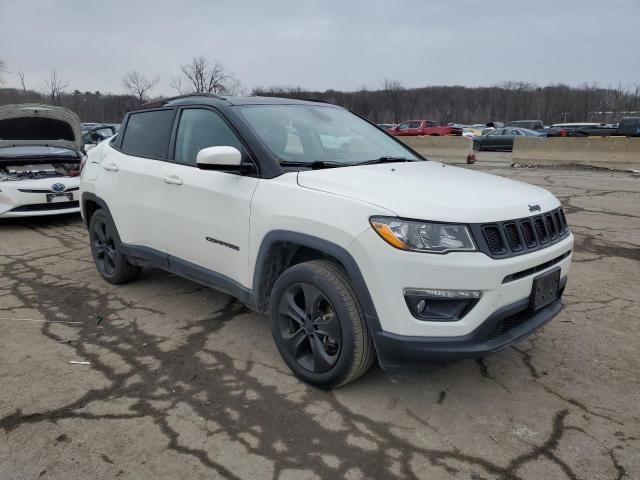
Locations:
column 314, row 133
column 37, row 151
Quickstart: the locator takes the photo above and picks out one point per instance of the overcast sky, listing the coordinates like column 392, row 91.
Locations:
column 324, row 44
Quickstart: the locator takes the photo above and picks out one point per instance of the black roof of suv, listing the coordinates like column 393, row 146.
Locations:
column 220, row 100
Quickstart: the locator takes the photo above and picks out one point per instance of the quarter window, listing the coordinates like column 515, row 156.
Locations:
column 198, row 129
column 147, row 134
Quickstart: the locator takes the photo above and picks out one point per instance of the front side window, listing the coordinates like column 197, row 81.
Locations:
column 415, row 124
column 198, row 129
column 147, row 134
column 311, row 133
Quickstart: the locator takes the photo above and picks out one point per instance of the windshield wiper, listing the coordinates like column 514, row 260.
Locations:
column 315, row 165
column 385, row 160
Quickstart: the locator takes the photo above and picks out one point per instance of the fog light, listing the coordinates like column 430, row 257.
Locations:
column 433, row 293
column 440, row 305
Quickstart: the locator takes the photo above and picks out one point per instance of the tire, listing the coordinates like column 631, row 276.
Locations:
column 318, row 325
column 106, row 250
column 476, row 146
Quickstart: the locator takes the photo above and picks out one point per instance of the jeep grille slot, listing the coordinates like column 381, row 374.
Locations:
column 541, row 231
column 519, row 236
column 529, row 235
column 494, row 239
column 513, row 237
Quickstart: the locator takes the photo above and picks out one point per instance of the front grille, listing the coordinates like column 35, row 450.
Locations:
column 30, row 190
column 516, row 237
column 39, row 207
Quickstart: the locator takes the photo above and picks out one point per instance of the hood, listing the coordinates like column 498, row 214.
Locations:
column 432, row 191
column 39, row 125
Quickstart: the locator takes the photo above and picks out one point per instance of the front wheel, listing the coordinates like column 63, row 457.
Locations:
column 111, row 263
column 476, row 146
column 318, row 325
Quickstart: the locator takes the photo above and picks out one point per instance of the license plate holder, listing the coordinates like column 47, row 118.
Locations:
column 59, row 197
column 545, row 289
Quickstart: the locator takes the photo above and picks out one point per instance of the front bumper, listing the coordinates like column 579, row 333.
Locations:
column 508, row 325
column 28, row 198
column 505, row 286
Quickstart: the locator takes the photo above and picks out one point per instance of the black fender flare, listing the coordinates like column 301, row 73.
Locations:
column 341, row 254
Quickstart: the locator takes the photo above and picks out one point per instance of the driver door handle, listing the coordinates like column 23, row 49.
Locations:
column 172, row 180
column 112, row 167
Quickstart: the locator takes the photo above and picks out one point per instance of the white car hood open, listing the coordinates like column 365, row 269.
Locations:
column 39, row 125
column 433, row 191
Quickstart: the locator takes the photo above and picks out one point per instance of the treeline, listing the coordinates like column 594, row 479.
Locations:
column 90, row 106
column 200, row 75
column 457, row 104
column 391, row 103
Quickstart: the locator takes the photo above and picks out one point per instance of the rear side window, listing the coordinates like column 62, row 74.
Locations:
column 147, row 134
column 198, row 129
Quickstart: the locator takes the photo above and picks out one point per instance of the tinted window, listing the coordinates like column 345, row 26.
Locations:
column 415, row 124
column 200, row 129
column 147, row 134
column 403, row 126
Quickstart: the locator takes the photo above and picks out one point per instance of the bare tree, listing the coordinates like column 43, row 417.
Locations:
column 176, row 84
column 139, row 85
column 24, row 86
column 3, row 70
column 203, row 76
column 54, row 86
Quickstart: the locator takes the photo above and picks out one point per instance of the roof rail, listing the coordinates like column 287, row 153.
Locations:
column 164, row 101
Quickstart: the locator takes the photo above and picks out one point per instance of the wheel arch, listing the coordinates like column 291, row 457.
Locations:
column 90, row 203
column 281, row 249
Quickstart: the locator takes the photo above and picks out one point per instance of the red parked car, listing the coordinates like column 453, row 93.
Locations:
column 423, row 127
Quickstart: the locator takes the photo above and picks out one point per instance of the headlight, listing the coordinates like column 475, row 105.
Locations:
column 423, row 236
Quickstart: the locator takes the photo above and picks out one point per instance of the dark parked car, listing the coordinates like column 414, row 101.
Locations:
column 95, row 133
column 502, row 138
column 529, row 124
column 628, row 127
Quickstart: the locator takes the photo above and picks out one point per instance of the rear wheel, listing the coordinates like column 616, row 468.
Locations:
column 318, row 325
column 111, row 262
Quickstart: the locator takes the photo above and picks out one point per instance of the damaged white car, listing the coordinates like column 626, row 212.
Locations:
column 40, row 160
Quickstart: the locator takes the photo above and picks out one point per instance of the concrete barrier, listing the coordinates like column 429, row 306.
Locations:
column 617, row 153
column 444, row 149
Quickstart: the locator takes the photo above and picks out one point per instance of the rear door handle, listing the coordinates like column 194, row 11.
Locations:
column 112, row 167
column 172, row 180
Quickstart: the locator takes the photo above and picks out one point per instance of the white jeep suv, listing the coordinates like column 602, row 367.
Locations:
column 356, row 246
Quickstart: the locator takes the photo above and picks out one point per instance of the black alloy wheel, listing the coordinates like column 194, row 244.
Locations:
column 104, row 248
column 112, row 264
column 309, row 327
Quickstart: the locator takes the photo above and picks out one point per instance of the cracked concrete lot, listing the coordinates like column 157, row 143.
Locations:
column 184, row 383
